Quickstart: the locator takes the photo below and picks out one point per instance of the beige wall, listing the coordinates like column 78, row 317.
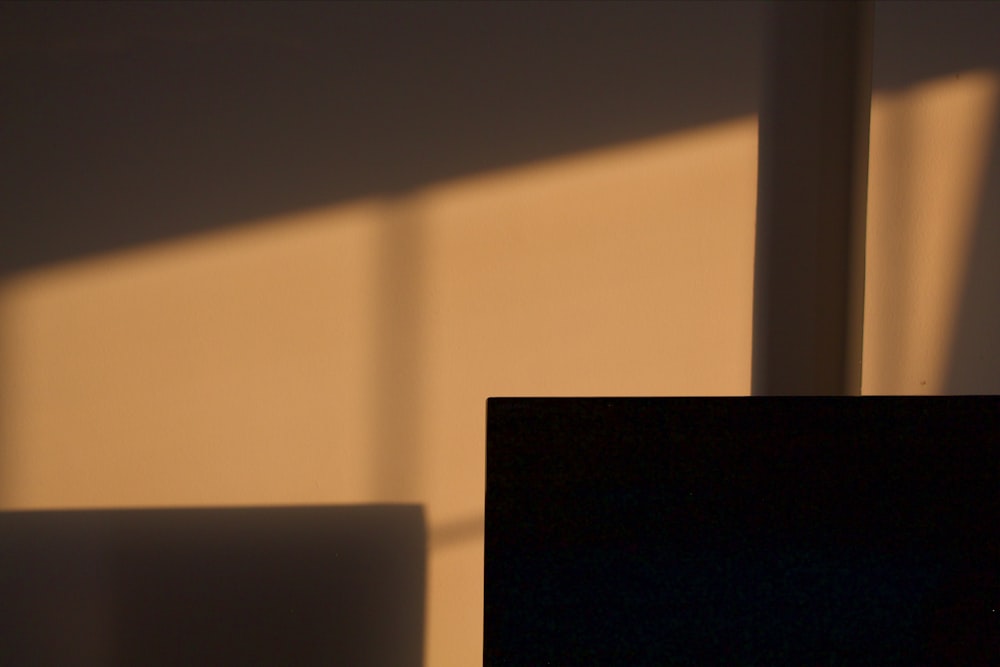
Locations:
column 584, row 231
column 929, row 155
column 344, row 355
column 301, row 285
column 932, row 287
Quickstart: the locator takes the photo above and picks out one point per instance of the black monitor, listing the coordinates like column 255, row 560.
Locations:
column 742, row 531
column 324, row 585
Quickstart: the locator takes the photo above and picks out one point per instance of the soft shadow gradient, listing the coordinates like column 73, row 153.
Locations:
column 129, row 123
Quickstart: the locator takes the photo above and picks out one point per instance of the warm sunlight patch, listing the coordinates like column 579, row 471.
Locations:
column 929, row 149
column 344, row 354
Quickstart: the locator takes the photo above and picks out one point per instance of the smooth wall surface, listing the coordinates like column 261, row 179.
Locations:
column 932, row 288
column 273, row 254
column 281, row 253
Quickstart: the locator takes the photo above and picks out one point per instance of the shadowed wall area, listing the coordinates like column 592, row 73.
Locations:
column 238, row 586
column 128, row 123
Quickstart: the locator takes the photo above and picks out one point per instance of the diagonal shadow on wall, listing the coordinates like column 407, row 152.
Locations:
column 132, row 123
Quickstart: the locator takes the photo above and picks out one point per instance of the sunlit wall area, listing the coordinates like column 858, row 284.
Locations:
column 189, row 372
column 344, row 355
column 622, row 271
column 929, row 157
column 931, row 322
column 627, row 273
